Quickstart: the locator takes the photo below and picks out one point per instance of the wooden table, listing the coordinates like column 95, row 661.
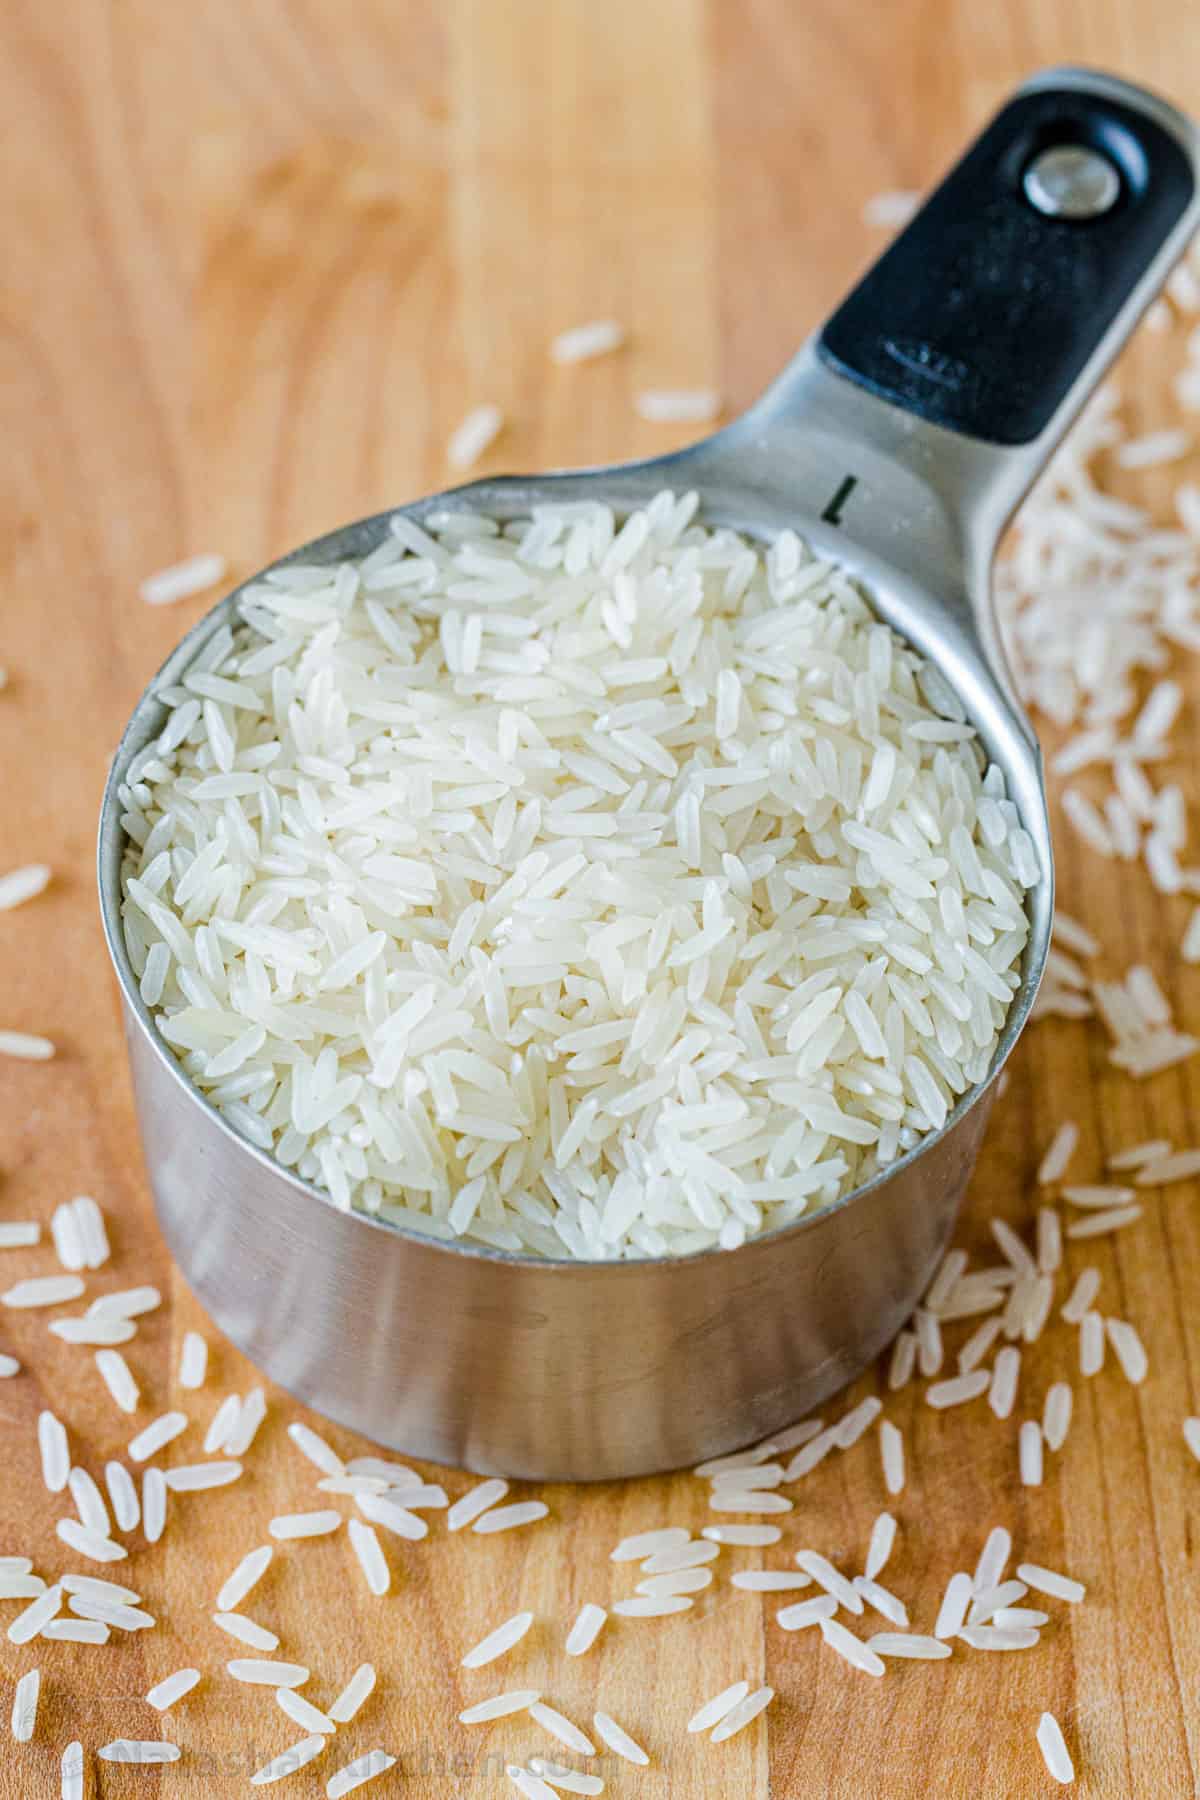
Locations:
column 260, row 258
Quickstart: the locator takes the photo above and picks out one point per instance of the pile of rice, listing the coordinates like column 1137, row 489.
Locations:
column 578, row 887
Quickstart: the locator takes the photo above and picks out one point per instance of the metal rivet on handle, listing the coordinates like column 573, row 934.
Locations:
column 1072, row 181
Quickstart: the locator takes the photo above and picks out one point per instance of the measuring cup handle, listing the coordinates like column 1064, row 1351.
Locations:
column 996, row 311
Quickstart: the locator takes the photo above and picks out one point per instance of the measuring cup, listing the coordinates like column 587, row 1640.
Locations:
column 898, row 442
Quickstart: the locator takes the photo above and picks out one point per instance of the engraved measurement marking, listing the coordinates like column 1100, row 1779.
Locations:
column 833, row 512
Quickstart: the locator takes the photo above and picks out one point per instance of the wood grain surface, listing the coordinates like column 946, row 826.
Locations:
column 260, row 257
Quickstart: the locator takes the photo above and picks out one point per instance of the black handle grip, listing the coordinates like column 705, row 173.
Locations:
column 984, row 312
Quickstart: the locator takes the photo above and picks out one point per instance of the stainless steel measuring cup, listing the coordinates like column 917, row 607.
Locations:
column 898, row 443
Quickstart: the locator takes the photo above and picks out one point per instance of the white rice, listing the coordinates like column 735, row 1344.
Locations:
column 744, row 1536
column 1128, row 1349
column 853, row 1649
column 650, row 1606
column 166, row 1693
column 31, row 1620
column 71, row 1772
column 297, row 1757
column 9, row 1366
column 491, row 1059
column 959, row 1389
column 882, row 1599
column 182, row 580
column 953, row 1610
column 1099, row 1224
column 506, row 1518
column 365, row 1543
column 569, row 1780
column 997, row 1637
column 268, row 1674
column 157, row 1435
column 580, row 343
column 354, row 1695
column 1059, row 1153
column 500, row 1706
column 144, row 1751
column 25, row 1706
column 1048, row 1581
column 248, row 1573
column 302, row 1712
column 586, row 1629
column 25, row 1046
column 1056, row 1415
column 498, row 1642
column 24, row 884
column 1191, row 1436
column 154, row 1504
column 194, row 1478
column 769, row 1581
column 304, row 1525
column 474, row 436
column 1156, row 448
column 89, row 1503
column 43, row 1290
column 1053, row 1747
column 193, row 1360
column 879, row 1549
column 908, row 1644
column 354, row 1774
column 19, row 1234
column 318, row 1452
column 1005, row 1374
column 55, row 1452
column 1079, row 1300
column 619, row 1740
column 803, row 1613
column 559, row 1726
column 1031, row 1460
column 257, row 1637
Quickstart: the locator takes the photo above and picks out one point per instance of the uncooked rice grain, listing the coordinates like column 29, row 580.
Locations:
column 157, row 1435
column 1053, row 1747
column 582, row 342
column 193, row 1360
column 353, row 1774
column 853, row 1649
column 618, row 1739
column 164, row 1694
column 249, row 1571
column 257, row 1637
column 302, row 1712
column 745, row 1536
column 43, row 1290
column 297, row 1757
column 909, row 1644
column 25, row 1046
column 24, row 884
column 367, row 1548
column 1062, row 1145
column 559, row 1726
column 182, row 580
column 476, row 433
column 505, row 1518
column 154, row 1504
column 497, row 1642
column 586, row 1629
column 356, row 1692
column 304, row 1525
column 25, row 1706
column 1049, row 1581
column 803, row 1613
column 1056, row 1415
column 269, row 1674
column 500, row 1706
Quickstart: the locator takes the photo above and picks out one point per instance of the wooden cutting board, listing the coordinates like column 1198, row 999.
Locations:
column 259, row 259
